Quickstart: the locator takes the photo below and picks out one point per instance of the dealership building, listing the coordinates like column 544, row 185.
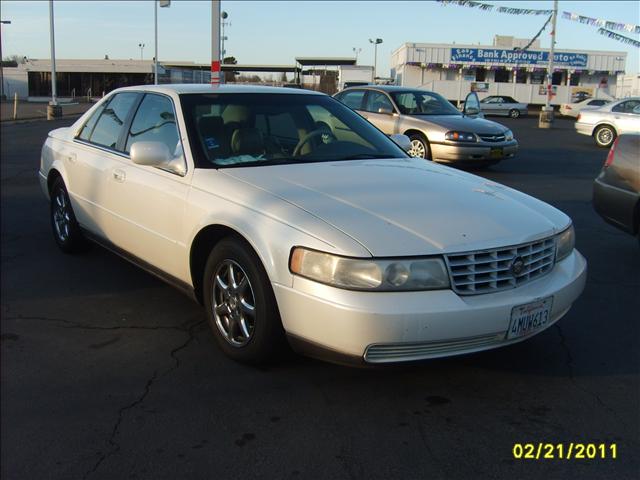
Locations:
column 504, row 68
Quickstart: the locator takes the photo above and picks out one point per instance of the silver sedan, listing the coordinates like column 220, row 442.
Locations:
column 503, row 105
column 604, row 124
column 438, row 131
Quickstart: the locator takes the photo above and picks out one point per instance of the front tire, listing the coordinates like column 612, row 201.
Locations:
column 604, row 136
column 514, row 113
column 419, row 146
column 66, row 231
column 241, row 307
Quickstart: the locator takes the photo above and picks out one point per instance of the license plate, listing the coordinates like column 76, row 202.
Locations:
column 496, row 153
column 529, row 318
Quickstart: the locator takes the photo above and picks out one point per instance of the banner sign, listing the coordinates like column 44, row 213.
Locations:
column 599, row 22
column 618, row 37
column 489, row 7
column 529, row 57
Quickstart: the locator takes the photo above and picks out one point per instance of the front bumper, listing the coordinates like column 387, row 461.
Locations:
column 408, row 326
column 476, row 153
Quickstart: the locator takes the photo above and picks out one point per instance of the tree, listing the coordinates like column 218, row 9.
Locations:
column 229, row 76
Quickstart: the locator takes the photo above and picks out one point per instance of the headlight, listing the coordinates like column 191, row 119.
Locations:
column 460, row 137
column 508, row 135
column 565, row 243
column 402, row 274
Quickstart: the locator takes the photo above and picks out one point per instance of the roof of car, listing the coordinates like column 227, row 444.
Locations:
column 385, row 88
column 227, row 88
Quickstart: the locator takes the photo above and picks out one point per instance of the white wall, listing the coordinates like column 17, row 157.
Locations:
column 15, row 80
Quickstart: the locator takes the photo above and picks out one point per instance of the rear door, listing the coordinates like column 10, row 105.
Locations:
column 379, row 110
column 627, row 116
column 353, row 99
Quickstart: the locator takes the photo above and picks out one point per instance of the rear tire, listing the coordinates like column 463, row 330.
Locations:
column 419, row 146
column 604, row 136
column 66, row 231
column 514, row 113
column 241, row 307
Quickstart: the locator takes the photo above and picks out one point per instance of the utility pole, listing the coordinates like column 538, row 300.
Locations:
column 53, row 109
column 546, row 115
column 215, row 42
column 356, row 51
column 2, row 22
column 375, row 42
column 163, row 3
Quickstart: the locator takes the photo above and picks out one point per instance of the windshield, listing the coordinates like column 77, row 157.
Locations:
column 423, row 103
column 247, row 129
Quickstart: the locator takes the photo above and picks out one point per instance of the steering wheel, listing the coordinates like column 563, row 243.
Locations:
column 311, row 135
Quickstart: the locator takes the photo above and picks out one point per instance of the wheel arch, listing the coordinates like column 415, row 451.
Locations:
column 604, row 124
column 203, row 242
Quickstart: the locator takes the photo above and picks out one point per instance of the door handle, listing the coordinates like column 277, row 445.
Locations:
column 119, row 175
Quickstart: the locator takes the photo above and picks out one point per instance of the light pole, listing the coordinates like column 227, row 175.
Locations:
column 375, row 42
column 53, row 109
column 215, row 41
column 546, row 115
column 356, row 51
column 2, row 22
column 163, row 3
column 141, row 47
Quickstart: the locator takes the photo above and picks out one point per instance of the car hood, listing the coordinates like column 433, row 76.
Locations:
column 400, row 207
column 463, row 123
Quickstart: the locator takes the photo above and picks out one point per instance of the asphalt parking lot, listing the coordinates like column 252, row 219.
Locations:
column 109, row 373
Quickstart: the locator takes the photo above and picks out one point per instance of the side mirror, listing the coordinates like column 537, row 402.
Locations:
column 471, row 105
column 156, row 154
column 402, row 141
column 385, row 110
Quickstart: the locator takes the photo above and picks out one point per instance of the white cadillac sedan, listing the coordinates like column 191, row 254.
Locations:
column 290, row 217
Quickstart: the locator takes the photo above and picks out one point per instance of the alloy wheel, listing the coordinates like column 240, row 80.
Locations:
column 61, row 216
column 233, row 303
column 417, row 149
column 604, row 136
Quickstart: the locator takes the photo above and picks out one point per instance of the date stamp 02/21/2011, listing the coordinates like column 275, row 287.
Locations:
column 565, row 451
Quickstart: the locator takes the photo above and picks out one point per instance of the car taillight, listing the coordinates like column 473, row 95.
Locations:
column 612, row 153
column 579, row 115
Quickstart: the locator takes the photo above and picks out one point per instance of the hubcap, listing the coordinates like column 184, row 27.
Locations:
column 515, row 113
column 61, row 216
column 233, row 303
column 605, row 136
column 417, row 149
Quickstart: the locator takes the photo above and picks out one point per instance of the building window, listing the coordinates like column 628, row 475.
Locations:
column 556, row 78
column 575, row 79
column 451, row 75
column 521, row 75
column 537, row 77
column 481, row 74
column 502, row 76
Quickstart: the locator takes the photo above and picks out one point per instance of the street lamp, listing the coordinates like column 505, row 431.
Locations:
column 376, row 42
column 356, row 51
column 223, row 16
column 2, row 22
column 141, row 47
column 163, row 3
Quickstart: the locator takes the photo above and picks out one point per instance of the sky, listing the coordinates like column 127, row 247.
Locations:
column 262, row 32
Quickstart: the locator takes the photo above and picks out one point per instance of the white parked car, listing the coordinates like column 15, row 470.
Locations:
column 322, row 232
column 604, row 124
column 573, row 109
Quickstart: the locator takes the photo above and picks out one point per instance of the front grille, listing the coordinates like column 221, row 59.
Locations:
column 487, row 137
column 490, row 271
column 398, row 352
